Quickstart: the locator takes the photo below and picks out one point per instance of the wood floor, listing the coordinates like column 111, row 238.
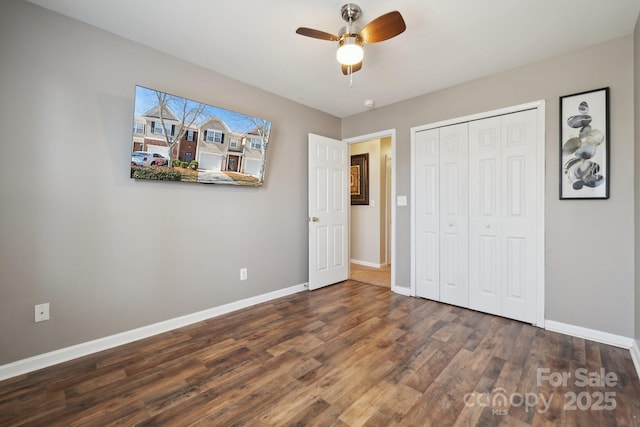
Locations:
column 371, row 275
column 348, row 355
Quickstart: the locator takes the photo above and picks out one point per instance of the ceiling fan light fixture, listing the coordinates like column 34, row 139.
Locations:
column 351, row 41
column 350, row 51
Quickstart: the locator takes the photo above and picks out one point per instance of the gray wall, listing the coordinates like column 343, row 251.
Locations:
column 109, row 253
column 589, row 243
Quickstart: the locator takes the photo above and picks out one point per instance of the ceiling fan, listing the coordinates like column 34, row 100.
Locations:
column 350, row 52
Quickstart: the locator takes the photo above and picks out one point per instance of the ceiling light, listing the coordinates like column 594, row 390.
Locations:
column 350, row 51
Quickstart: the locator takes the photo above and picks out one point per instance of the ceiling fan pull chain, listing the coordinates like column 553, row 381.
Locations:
column 350, row 76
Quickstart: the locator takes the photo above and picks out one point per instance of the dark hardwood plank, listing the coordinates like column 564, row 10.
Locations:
column 348, row 355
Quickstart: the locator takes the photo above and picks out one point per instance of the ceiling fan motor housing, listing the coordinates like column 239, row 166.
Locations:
column 351, row 12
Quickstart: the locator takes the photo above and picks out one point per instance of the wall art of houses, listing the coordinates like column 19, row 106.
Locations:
column 177, row 139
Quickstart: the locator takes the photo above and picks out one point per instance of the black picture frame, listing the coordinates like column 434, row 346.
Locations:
column 359, row 179
column 584, row 145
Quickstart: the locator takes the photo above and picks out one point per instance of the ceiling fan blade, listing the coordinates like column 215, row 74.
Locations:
column 316, row 34
column 383, row 28
column 354, row 68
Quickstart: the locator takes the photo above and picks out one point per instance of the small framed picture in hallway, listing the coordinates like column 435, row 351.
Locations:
column 359, row 179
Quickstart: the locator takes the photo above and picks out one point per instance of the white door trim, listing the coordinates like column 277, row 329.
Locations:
column 539, row 106
column 389, row 133
column 388, row 167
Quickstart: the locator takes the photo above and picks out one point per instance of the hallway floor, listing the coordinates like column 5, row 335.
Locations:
column 371, row 275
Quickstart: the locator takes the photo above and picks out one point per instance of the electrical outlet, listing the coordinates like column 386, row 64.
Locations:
column 243, row 274
column 42, row 312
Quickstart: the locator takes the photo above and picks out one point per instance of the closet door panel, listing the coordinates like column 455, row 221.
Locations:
column 519, row 157
column 487, row 273
column 427, row 211
column 485, row 246
column 454, row 194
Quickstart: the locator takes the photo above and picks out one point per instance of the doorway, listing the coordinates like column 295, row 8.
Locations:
column 329, row 209
column 371, row 225
column 232, row 163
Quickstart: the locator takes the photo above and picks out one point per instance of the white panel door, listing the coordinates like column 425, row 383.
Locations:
column 454, row 195
column 519, row 190
column 328, row 211
column 502, row 215
column 485, row 171
column 427, row 209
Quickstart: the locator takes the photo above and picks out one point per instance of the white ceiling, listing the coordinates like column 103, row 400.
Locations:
column 446, row 42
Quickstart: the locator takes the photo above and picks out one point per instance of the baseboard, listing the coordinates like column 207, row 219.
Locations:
column 367, row 264
column 401, row 290
column 590, row 334
column 65, row 354
column 635, row 355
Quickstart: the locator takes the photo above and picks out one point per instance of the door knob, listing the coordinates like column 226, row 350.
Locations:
column 314, row 219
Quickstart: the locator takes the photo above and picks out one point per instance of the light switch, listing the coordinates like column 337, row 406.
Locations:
column 402, row 200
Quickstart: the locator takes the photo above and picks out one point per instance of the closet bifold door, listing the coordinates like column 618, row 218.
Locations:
column 485, row 170
column 442, row 214
column 427, row 208
column 519, row 159
column 454, row 196
column 502, row 198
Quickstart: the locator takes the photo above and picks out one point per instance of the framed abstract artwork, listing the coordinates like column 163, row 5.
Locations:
column 584, row 145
